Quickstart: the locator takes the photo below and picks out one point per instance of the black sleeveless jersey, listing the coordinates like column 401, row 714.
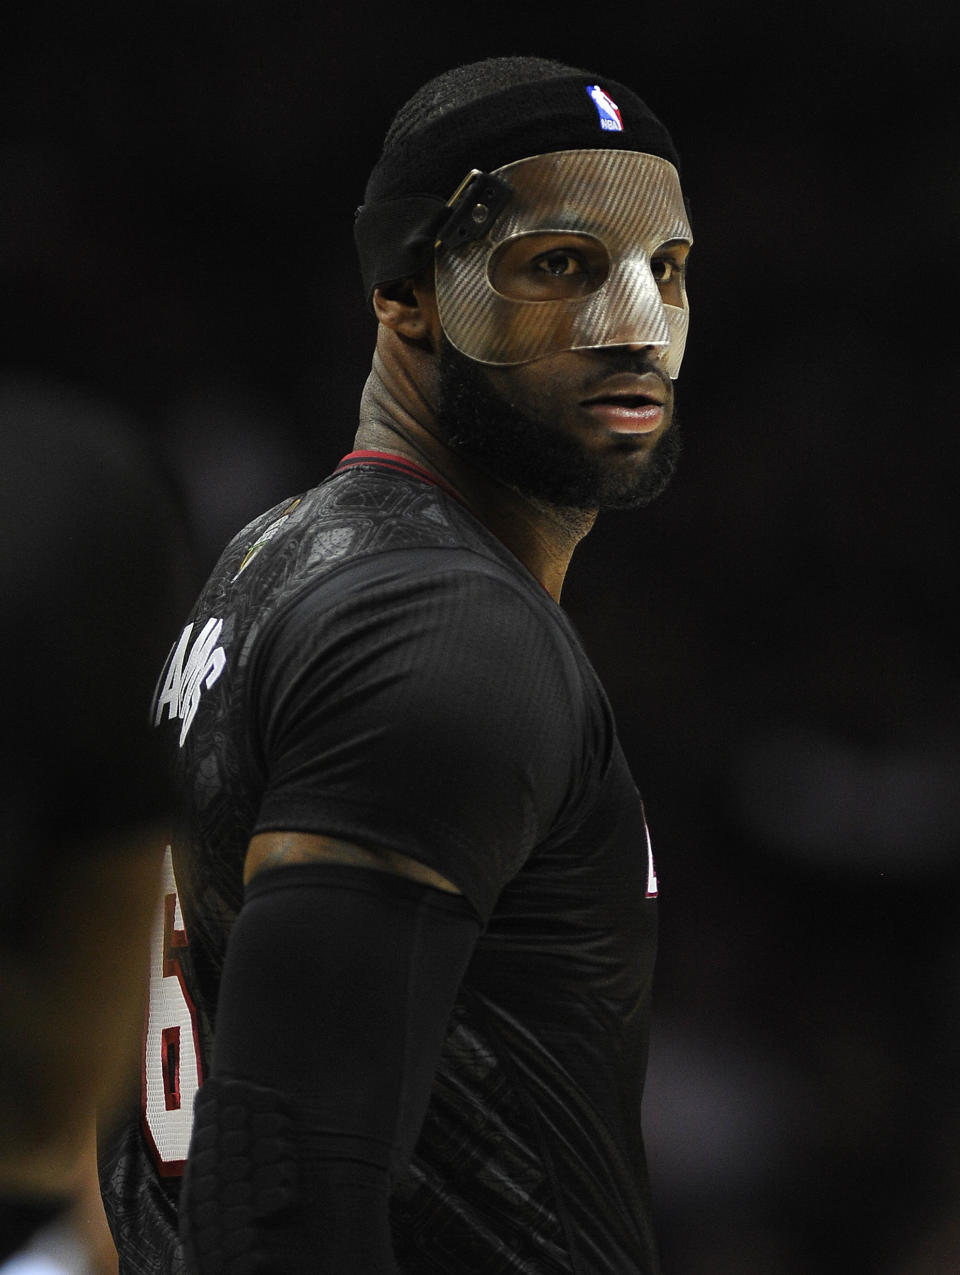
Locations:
column 368, row 662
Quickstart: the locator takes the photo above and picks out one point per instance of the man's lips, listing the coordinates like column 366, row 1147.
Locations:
column 629, row 404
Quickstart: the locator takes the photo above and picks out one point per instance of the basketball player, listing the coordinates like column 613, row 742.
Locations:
column 400, row 997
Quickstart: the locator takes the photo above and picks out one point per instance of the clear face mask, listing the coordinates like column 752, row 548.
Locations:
column 573, row 262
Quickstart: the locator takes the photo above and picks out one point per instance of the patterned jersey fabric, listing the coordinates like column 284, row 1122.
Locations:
column 368, row 662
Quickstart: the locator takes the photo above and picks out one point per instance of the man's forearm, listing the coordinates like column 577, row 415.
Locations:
column 333, row 1005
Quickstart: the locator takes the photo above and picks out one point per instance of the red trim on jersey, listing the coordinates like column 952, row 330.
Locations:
column 398, row 464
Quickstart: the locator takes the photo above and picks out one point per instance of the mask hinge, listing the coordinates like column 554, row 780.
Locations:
column 474, row 207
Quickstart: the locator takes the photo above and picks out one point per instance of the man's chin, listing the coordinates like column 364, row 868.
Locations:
column 536, row 459
column 649, row 480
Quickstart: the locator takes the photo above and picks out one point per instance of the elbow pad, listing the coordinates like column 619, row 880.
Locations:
column 336, row 991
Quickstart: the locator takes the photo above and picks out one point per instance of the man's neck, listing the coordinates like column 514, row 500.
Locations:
column 542, row 536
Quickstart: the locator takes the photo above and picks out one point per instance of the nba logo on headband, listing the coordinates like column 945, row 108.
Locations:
column 607, row 109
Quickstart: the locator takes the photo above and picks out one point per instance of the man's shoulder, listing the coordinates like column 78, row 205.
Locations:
column 366, row 531
column 364, row 546
column 350, row 516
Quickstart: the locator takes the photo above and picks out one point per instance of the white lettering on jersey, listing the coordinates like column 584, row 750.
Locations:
column 652, row 887
column 171, row 1049
column 186, row 677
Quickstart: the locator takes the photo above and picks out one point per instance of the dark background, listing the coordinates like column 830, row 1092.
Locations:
column 778, row 634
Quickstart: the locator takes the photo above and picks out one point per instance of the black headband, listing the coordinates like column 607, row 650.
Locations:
column 405, row 209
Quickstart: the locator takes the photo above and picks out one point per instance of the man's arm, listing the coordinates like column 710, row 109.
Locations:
column 340, row 976
column 435, row 747
column 280, row 849
column 70, row 1020
column 72, row 1007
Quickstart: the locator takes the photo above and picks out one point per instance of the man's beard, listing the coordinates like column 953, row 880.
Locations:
column 534, row 457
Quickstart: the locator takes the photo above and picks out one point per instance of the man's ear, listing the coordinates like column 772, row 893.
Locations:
column 400, row 307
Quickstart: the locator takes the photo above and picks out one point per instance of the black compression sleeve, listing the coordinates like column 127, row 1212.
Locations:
column 336, row 990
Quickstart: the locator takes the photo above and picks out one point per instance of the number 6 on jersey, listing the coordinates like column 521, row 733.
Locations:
column 171, row 1053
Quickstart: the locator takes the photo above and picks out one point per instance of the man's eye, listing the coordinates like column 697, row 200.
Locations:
column 669, row 270
column 548, row 266
column 558, row 264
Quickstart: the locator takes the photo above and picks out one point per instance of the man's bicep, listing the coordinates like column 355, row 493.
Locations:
column 281, row 849
column 442, row 721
